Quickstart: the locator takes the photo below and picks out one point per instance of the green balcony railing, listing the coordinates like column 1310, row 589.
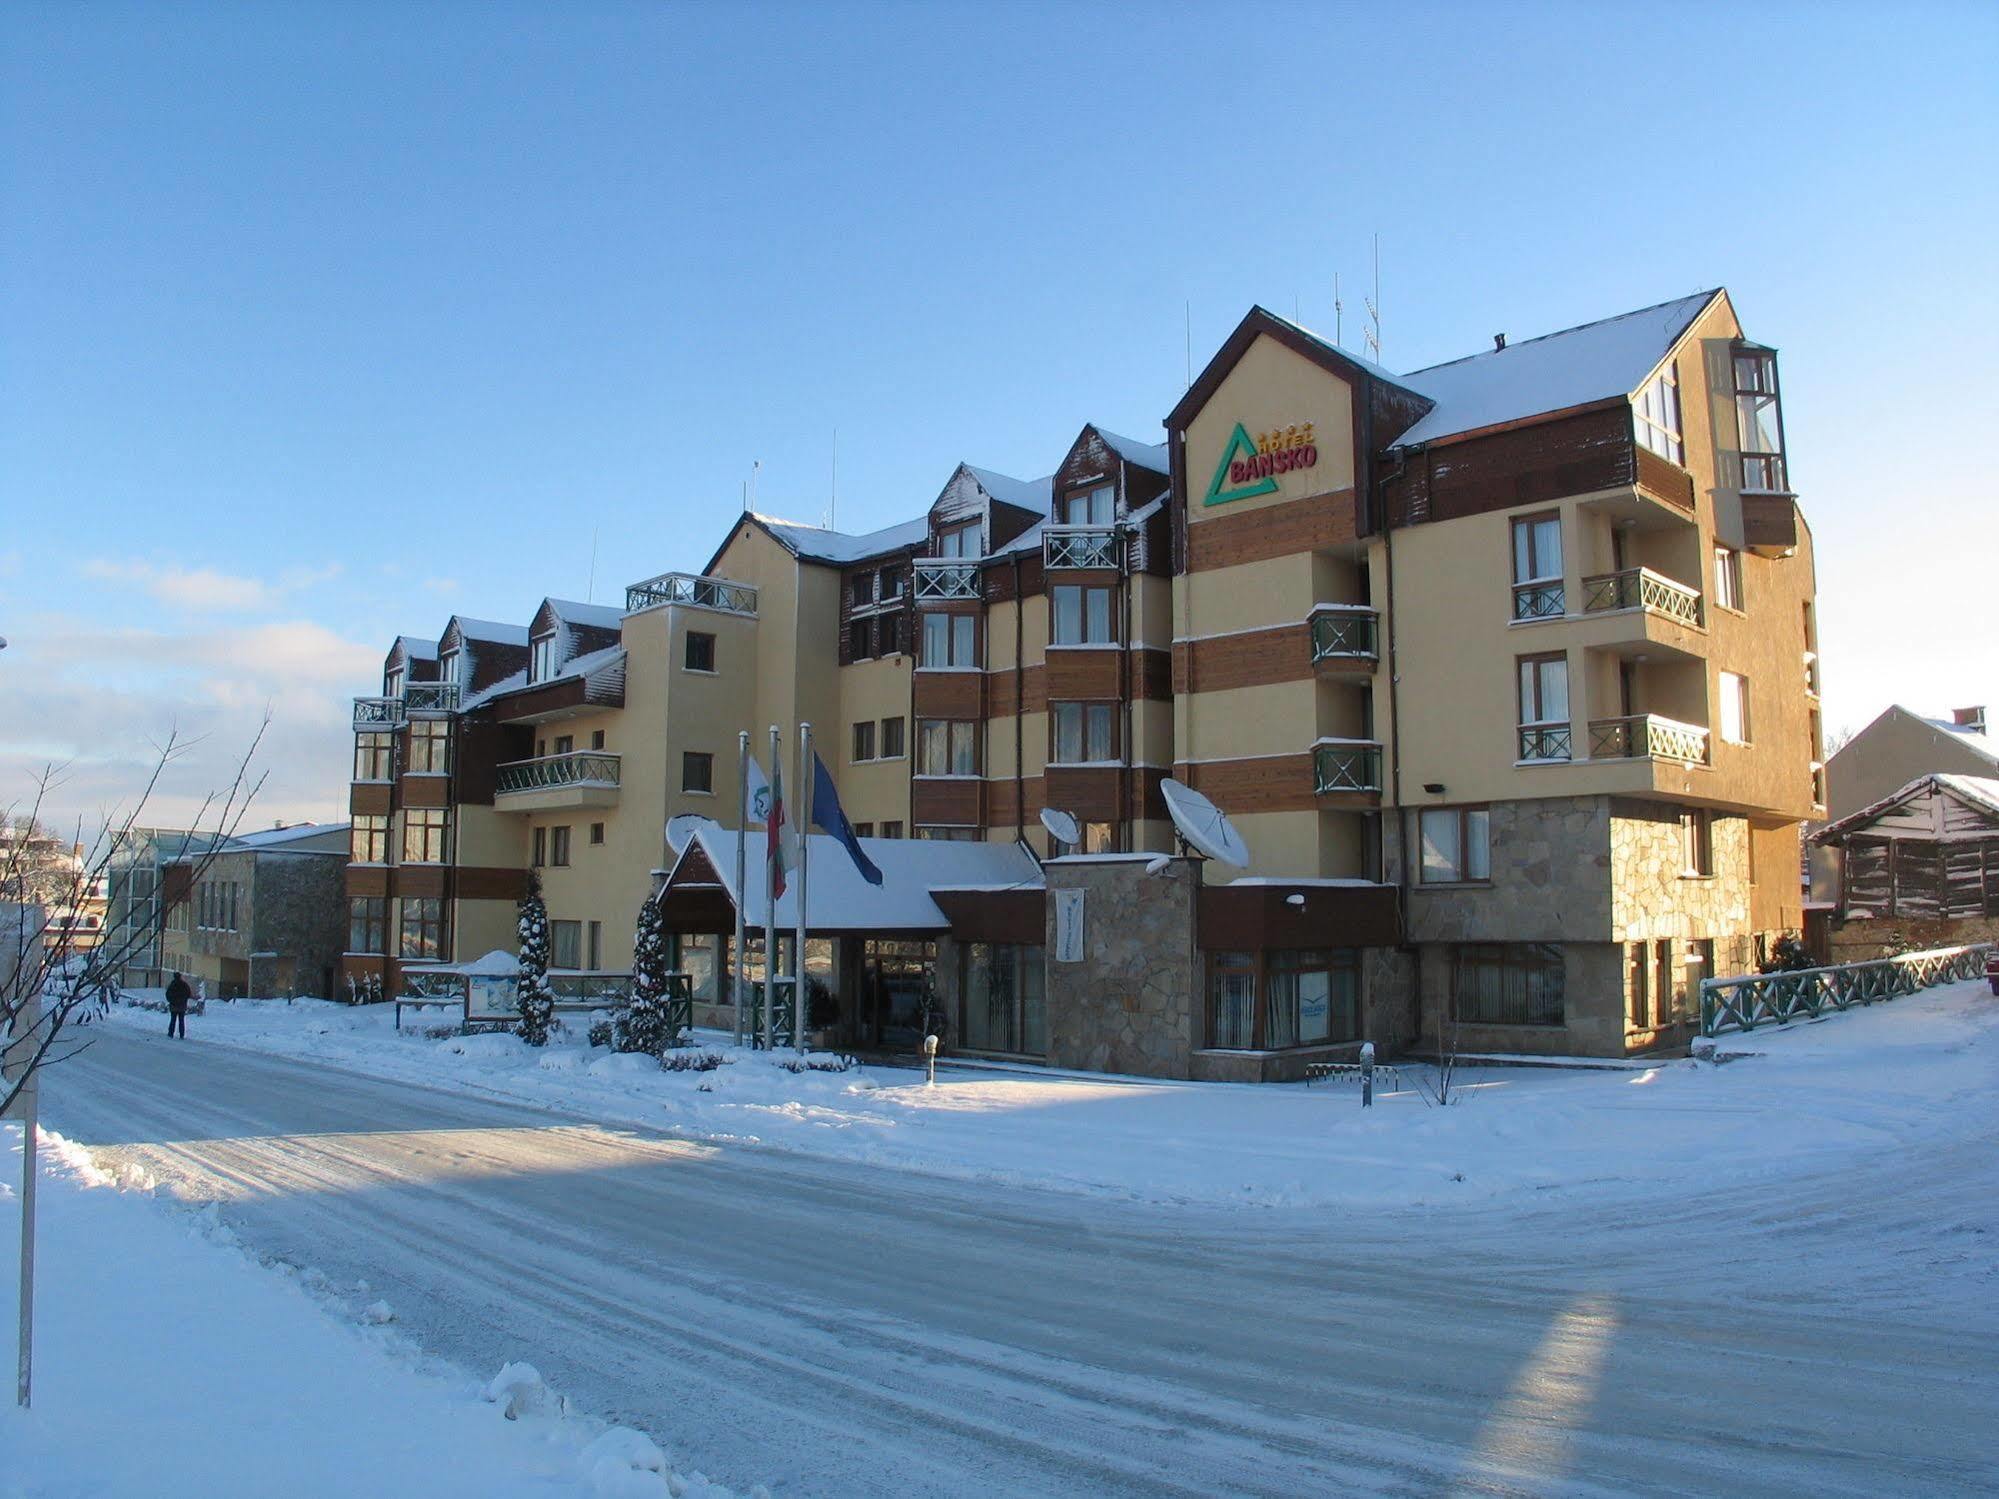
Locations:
column 1346, row 765
column 550, row 772
column 1346, row 634
column 1742, row 1004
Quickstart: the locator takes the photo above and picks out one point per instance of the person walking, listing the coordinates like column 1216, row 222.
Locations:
column 178, row 994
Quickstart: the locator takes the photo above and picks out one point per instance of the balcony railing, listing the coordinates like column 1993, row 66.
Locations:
column 377, row 712
column 1641, row 736
column 1348, row 633
column 430, row 697
column 1545, row 741
column 1641, row 588
column 947, row 578
column 578, row 768
column 690, row 588
column 1079, row 546
column 1346, row 765
column 1763, row 473
column 1538, row 601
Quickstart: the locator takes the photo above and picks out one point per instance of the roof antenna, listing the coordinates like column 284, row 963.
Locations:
column 833, row 496
column 755, row 464
column 1373, row 304
column 590, row 589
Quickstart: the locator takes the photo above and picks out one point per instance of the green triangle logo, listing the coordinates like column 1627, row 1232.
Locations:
column 1239, row 447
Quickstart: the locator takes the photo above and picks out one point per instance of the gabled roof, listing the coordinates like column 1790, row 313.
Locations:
column 1147, row 455
column 1594, row 362
column 818, row 544
column 596, row 616
column 1027, row 494
column 490, row 630
column 1262, row 322
column 415, row 648
column 1979, row 741
column 602, row 670
column 1979, row 791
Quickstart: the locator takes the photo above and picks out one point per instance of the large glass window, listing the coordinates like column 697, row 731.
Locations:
column 541, row 658
column 368, row 839
column 1457, row 845
column 1544, row 708
column 949, row 639
column 1537, row 567
column 1091, row 507
column 1082, row 614
column 947, row 747
column 1231, row 1000
column 1003, row 1006
column 374, row 756
column 426, row 835
column 368, row 924
column 422, row 923
column 1509, row 983
column 430, row 745
column 565, row 944
column 959, row 541
column 1658, row 412
column 1313, row 997
column 1083, row 732
column 1759, row 420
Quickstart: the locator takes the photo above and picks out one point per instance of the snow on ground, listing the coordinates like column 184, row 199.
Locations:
column 168, row 1364
column 1811, row 1098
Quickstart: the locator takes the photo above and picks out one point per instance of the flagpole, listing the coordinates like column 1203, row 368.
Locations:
column 807, row 782
column 773, row 851
column 739, row 969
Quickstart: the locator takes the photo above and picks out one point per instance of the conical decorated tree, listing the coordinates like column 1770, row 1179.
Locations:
column 643, row 1020
column 536, row 1001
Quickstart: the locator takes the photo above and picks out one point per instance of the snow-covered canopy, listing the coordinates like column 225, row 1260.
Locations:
column 817, row 544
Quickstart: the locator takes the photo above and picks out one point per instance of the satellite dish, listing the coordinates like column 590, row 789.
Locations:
column 1204, row 827
column 680, row 829
column 1061, row 826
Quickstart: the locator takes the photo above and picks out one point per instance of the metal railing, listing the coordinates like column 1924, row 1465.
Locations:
column 1079, row 546
column 377, row 712
column 1743, row 1003
column 694, row 589
column 576, row 768
column 1641, row 736
column 430, row 697
column 1346, row 635
column 1346, row 767
column 947, row 578
column 1539, row 601
column 1641, row 588
column 1545, row 741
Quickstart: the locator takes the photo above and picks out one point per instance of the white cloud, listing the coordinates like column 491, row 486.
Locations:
column 199, row 590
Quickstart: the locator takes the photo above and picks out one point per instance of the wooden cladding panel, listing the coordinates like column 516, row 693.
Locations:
column 1001, row 796
column 1254, row 917
column 1001, row 687
column 948, row 694
column 426, row 791
column 1665, row 478
column 1227, row 540
column 370, row 799
column 1525, row 465
column 995, row 915
column 1769, row 520
column 365, row 881
column 1093, row 793
column 1275, row 783
column 490, row 882
column 954, row 802
column 1256, row 658
column 1084, row 674
column 420, row 880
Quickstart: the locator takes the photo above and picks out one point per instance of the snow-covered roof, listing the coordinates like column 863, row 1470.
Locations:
column 1150, row 455
column 818, row 544
column 1027, row 494
column 1594, row 362
column 416, row 648
column 278, row 837
column 1979, row 791
column 605, row 663
column 1982, row 791
column 512, row 682
column 1978, row 741
column 491, row 630
column 597, row 616
column 838, row 899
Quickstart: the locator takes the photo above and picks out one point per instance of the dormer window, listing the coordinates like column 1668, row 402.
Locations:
column 448, row 666
column 959, row 541
column 1658, row 416
column 1091, row 507
column 392, row 682
column 1759, row 420
column 541, row 658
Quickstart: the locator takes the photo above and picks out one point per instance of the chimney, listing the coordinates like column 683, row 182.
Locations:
column 1972, row 720
column 1498, row 342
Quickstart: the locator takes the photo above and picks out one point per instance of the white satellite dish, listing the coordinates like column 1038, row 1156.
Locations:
column 1061, row 826
column 680, row 829
column 1204, row 827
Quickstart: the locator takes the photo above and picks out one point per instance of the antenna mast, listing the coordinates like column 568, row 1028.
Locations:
column 1339, row 312
column 833, row 498
column 1373, row 333
column 590, row 589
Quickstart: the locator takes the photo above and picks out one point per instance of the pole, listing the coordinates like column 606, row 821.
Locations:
column 24, row 1373
column 1367, row 1075
column 770, row 893
column 739, row 967
column 805, row 789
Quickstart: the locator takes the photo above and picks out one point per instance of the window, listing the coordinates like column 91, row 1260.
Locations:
column 541, row 658
column 893, row 746
column 1002, row 1005
column 1759, row 420
column 891, row 584
column 861, row 638
column 374, row 756
column 1699, row 965
column 1457, row 845
column 449, row 665
column 540, row 847
column 864, row 830
column 697, row 772
column 864, row 740
column 1509, row 983
column 596, row 832
column 558, row 847
column 392, row 683
column 1537, row 567
column 1231, row 1000
column 891, row 830
column 1734, row 707
column 596, row 739
column 422, row 923
column 949, row 639
column 947, row 747
column 594, row 946
column 861, row 590
column 1100, row 838
column 948, row 835
column 1082, row 732
column 368, row 924
column 1697, row 842
column 565, row 744
column 1312, row 997
column 1658, row 412
column 959, row 541
column 430, row 745
column 1728, row 577
column 1082, row 614
column 1091, row 507
column 1637, row 999
column 565, row 944
column 426, row 835
column 368, row 839
column 1544, row 708
column 700, row 651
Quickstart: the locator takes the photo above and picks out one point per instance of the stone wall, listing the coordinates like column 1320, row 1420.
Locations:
column 1653, row 896
column 1857, row 941
column 297, row 908
column 1551, row 866
column 1130, row 1005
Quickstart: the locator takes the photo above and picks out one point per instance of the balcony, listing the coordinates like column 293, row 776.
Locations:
column 1345, row 638
column 1542, row 600
column 1545, row 742
column 940, row 578
column 1647, row 736
column 1346, row 766
column 1641, row 588
column 377, row 712
column 581, row 778
column 692, row 590
column 430, row 697
column 1080, row 546
column 1770, row 524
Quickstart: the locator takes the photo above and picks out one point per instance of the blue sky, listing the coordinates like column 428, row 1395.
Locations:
column 318, row 323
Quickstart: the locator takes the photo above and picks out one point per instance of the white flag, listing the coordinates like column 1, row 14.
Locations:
column 757, row 803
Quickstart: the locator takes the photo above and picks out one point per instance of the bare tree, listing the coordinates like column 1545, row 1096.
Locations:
column 47, row 981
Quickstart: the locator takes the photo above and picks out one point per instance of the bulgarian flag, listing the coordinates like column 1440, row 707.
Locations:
column 768, row 801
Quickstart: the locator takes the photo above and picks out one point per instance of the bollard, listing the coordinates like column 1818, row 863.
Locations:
column 1367, row 1074
column 930, row 1061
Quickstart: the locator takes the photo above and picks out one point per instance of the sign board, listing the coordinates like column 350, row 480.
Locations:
column 492, row 997
column 1068, row 926
column 1250, row 465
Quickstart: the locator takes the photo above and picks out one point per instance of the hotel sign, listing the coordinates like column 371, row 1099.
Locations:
column 1250, row 466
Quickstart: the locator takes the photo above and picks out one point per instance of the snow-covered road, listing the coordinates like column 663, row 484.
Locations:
column 834, row 1329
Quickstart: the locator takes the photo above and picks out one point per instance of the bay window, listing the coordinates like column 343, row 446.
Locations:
column 1759, row 419
column 368, row 924
column 422, row 924
column 430, row 745
column 426, row 835
column 947, row 747
column 368, row 839
column 1083, row 732
column 374, row 756
column 1658, row 413
column 949, row 639
column 1082, row 614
